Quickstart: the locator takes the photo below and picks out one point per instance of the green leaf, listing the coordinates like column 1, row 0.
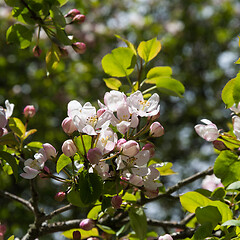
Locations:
column 36, row 145
column 203, row 231
column 62, row 36
column 234, row 186
column 170, row 86
column 53, row 58
column 11, row 161
column 11, row 238
column 57, row 16
column 128, row 197
column 106, row 229
column 138, row 222
column 62, row 162
column 230, row 93
column 119, row 63
column 23, row 15
column 81, row 142
column 165, row 169
column 13, row 3
column 74, row 198
column 149, row 49
column 30, row 132
column 112, row 83
column 84, row 234
column 90, row 187
column 208, row 214
column 226, row 167
column 17, row 127
column 19, row 34
column 218, row 194
column 156, row 72
column 232, row 223
column 93, row 213
column 8, row 139
column 129, row 44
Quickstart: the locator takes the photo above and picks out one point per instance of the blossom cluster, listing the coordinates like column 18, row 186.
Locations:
column 5, row 114
column 117, row 131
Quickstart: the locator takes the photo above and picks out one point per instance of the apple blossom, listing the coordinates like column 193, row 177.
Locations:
column 87, row 224
column 69, row 148
column 165, row 237
column 235, row 109
column 141, row 107
column 9, row 109
column 211, row 182
column 130, row 148
column 150, row 147
column 68, row 126
column 3, row 119
column 114, row 99
column 207, row 131
column 94, row 155
column 236, row 126
column 50, row 151
column 116, row 201
column 103, row 170
column 136, row 180
column 120, row 142
column 156, row 129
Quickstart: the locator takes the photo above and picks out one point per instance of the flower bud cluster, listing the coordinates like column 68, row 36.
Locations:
column 118, row 140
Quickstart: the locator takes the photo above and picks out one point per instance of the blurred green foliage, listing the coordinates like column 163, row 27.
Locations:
column 199, row 41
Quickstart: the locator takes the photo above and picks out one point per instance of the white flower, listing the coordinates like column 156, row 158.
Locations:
column 143, row 108
column 207, row 131
column 236, row 126
column 114, row 99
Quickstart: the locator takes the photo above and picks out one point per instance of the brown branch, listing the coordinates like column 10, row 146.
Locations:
column 180, row 184
column 166, row 224
column 18, row 199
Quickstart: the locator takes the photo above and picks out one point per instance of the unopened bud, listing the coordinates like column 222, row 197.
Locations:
column 116, row 202
column 29, row 111
column 79, row 47
column 76, row 235
column 72, row 13
column 50, row 151
column 165, row 237
column 69, row 148
column 63, row 51
column 3, row 119
column 130, row 148
column 87, row 224
column 219, row 145
column 60, row 196
column 68, row 125
column 37, row 51
column 150, row 147
column 79, row 18
column 94, row 155
column 156, row 129
column 120, row 142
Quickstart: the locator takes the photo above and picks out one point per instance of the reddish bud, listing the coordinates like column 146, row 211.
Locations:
column 94, row 155
column 156, row 129
column 87, row 224
column 29, row 111
column 120, row 142
column 219, row 145
column 79, row 18
column 72, row 13
column 63, row 51
column 150, row 147
column 79, row 47
column 68, row 125
column 116, row 202
column 3, row 119
column 76, row 235
column 37, row 51
column 69, row 148
column 60, row 196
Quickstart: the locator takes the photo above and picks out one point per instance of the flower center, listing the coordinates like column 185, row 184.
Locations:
column 144, row 104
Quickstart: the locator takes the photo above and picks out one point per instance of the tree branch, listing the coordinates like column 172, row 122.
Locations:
column 180, row 184
column 18, row 199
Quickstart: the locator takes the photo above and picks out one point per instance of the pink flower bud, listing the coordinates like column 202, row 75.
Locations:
column 76, row 235
column 49, row 150
column 165, row 237
column 68, row 125
column 116, row 202
column 29, row 111
column 79, row 18
column 69, row 148
column 100, row 112
column 94, row 155
column 72, row 13
column 63, row 51
column 37, row 51
column 120, row 142
column 150, row 147
column 130, row 148
column 79, row 47
column 156, row 129
column 60, row 196
column 87, row 224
